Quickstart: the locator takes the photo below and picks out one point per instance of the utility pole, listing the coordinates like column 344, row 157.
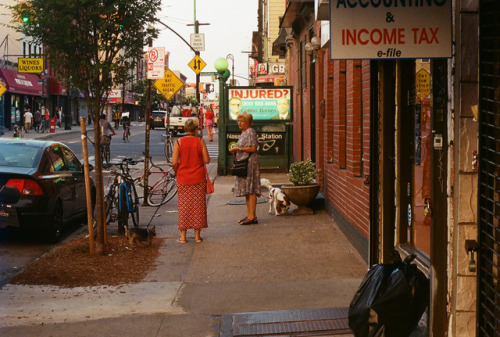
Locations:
column 147, row 113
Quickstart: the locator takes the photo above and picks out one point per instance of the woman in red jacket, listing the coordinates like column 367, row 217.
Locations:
column 188, row 160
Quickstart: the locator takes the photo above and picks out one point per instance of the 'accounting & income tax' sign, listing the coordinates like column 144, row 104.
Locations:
column 390, row 29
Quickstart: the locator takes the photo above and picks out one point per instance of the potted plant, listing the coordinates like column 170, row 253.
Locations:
column 304, row 189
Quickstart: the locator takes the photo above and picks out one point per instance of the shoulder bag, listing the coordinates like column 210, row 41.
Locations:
column 240, row 167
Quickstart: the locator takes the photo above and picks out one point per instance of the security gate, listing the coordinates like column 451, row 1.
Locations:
column 488, row 314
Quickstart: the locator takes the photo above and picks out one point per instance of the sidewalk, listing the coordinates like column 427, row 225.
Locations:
column 283, row 273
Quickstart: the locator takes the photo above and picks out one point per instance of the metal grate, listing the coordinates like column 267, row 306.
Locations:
column 308, row 322
column 488, row 315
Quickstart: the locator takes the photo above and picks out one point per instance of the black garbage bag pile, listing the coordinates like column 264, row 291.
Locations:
column 390, row 301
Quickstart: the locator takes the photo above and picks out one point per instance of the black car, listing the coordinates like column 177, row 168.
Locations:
column 158, row 119
column 42, row 186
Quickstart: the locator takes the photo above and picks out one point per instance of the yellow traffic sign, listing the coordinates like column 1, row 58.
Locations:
column 2, row 89
column 169, row 85
column 423, row 83
column 197, row 64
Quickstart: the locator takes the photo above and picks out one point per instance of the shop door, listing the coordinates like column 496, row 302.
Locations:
column 421, row 206
column 415, row 113
column 488, row 313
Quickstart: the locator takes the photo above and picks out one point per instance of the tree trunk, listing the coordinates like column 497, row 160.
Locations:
column 101, row 223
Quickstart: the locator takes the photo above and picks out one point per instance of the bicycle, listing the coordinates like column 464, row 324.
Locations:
column 42, row 126
column 164, row 187
column 105, row 150
column 169, row 146
column 126, row 134
column 121, row 200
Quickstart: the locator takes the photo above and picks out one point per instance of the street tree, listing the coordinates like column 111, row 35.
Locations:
column 90, row 45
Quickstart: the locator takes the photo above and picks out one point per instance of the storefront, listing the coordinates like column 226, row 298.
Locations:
column 23, row 91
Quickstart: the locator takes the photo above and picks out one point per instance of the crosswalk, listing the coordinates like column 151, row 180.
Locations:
column 213, row 150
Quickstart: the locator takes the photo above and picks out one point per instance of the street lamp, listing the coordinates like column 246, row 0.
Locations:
column 221, row 65
column 231, row 57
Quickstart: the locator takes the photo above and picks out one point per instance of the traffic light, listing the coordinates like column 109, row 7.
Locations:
column 25, row 18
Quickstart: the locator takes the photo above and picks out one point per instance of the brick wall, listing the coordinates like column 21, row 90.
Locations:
column 342, row 128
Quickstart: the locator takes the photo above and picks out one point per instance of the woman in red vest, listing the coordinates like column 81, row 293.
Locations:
column 188, row 160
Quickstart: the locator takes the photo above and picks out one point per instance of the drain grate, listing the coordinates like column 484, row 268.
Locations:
column 310, row 322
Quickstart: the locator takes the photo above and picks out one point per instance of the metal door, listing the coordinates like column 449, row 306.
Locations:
column 488, row 314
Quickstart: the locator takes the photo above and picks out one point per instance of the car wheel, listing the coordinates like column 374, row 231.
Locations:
column 56, row 223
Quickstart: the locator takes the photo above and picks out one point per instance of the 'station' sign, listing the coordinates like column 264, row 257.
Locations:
column 269, row 143
column 377, row 29
column 30, row 65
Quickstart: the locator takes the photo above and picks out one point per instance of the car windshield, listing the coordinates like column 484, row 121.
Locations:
column 158, row 114
column 20, row 155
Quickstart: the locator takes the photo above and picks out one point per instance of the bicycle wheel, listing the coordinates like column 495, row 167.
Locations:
column 133, row 200
column 110, row 207
column 123, row 208
column 163, row 191
column 105, row 153
column 125, row 137
column 169, row 149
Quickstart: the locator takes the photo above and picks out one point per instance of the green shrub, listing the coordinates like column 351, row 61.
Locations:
column 302, row 173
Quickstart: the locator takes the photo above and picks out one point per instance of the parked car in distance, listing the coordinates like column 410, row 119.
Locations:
column 42, row 186
column 158, row 119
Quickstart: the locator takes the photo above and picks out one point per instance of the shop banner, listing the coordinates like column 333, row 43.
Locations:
column 263, row 103
column 390, row 29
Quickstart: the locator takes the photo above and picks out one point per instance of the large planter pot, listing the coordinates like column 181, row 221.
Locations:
column 302, row 196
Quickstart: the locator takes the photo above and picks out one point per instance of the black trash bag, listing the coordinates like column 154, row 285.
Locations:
column 390, row 301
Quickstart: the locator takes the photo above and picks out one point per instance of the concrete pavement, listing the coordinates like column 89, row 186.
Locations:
column 289, row 264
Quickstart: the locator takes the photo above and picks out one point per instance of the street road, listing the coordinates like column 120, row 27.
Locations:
column 18, row 249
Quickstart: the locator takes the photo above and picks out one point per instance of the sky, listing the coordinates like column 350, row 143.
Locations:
column 231, row 23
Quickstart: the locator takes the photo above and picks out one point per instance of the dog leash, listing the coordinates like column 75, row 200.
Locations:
column 152, row 217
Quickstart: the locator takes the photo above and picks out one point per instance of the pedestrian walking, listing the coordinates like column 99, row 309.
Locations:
column 188, row 160
column 209, row 122
column 59, row 116
column 28, row 120
column 248, row 186
column 37, row 118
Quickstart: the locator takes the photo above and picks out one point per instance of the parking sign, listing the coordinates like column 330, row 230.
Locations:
column 156, row 63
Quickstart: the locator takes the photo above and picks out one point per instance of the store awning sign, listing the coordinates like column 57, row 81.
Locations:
column 390, row 29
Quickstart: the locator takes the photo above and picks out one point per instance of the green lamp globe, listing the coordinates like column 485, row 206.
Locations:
column 226, row 74
column 221, row 65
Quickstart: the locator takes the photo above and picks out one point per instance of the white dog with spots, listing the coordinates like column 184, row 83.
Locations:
column 278, row 201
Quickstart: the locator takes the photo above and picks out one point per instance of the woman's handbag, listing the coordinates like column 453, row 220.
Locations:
column 240, row 167
column 210, row 184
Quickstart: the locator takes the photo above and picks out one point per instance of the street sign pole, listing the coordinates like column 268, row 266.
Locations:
column 196, row 25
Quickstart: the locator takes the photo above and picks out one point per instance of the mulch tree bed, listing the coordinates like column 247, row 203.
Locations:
column 71, row 265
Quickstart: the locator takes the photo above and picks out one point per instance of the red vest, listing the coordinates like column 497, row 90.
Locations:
column 191, row 170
